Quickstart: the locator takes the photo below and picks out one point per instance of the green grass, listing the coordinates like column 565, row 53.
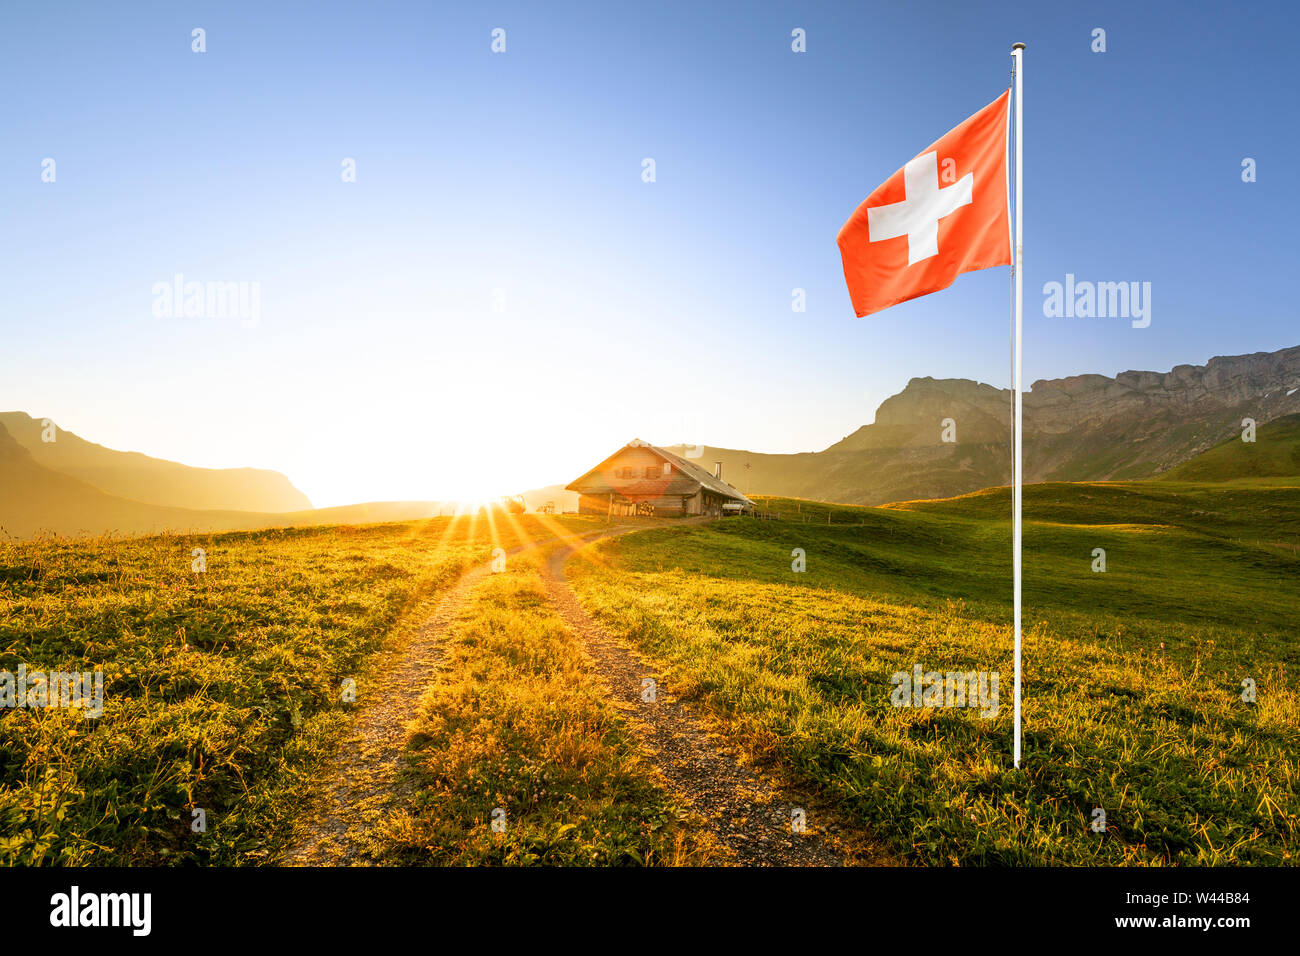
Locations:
column 517, row 720
column 222, row 689
column 1132, row 677
column 1274, row 453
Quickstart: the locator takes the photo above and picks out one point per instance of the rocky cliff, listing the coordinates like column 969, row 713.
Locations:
column 1086, row 427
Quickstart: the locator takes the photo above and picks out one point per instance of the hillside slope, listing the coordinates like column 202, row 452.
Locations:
column 1274, row 453
column 133, row 475
column 36, row 500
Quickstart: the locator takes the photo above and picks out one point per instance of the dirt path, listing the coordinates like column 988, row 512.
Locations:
column 363, row 780
column 748, row 816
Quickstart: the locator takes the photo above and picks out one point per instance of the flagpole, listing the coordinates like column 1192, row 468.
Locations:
column 1017, row 474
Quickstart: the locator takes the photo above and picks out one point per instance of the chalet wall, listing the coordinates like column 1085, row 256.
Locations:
column 639, row 460
column 666, row 505
column 637, row 456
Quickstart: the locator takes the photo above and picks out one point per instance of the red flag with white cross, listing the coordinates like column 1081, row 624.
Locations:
column 942, row 214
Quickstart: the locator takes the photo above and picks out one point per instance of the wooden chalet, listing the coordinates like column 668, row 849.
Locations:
column 640, row 477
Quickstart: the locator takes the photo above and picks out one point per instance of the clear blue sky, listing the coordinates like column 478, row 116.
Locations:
column 378, row 368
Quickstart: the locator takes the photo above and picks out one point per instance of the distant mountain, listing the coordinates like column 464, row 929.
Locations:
column 130, row 474
column 37, row 500
column 1088, row 427
column 34, row 498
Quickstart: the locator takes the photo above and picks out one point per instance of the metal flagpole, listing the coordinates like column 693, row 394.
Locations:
column 1017, row 474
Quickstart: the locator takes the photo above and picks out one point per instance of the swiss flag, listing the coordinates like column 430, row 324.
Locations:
column 942, row 214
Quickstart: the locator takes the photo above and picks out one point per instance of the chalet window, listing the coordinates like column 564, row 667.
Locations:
column 668, row 468
column 652, row 471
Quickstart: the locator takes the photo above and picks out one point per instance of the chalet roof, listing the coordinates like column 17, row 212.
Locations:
column 692, row 476
column 595, row 484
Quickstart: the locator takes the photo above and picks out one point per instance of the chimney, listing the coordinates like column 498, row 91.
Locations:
column 717, row 469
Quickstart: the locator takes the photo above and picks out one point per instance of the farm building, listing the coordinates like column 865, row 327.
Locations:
column 640, row 477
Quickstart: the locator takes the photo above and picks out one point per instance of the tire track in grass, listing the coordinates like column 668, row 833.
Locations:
column 363, row 782
column 747, row 815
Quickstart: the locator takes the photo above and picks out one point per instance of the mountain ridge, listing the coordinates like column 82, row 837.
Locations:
column 36, row 500
column 156, row 481
column 1088, row 427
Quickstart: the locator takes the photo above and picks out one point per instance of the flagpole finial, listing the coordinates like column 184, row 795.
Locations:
column 1017, row 46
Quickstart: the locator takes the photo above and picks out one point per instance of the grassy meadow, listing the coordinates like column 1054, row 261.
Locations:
column 1132, row 682
column 222, row 688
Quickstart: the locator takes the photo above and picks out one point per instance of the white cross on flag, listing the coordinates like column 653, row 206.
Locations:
column 942, row 214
